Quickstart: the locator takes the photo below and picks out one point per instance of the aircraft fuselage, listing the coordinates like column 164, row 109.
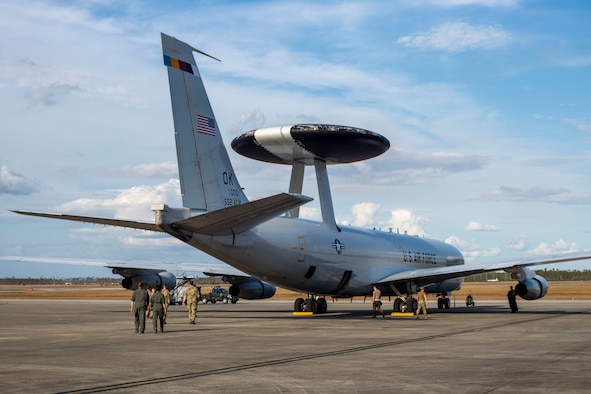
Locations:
column 312, row 257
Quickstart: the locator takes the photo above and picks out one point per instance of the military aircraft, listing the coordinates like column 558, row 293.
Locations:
column 267, row 239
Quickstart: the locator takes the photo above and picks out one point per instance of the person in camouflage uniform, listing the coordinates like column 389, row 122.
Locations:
column 166, row 295
column 139, row 302
column 190, row 299
column 149, row 312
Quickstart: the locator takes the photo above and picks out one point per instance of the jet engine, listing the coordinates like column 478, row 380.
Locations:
column 252, row 289
column 532, row 289
column 150, row 279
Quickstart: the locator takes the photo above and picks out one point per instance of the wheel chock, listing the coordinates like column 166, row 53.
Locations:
column 303, row 313
column 403, row 314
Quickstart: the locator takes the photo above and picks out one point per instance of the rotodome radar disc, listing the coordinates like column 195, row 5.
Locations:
column 305, row 142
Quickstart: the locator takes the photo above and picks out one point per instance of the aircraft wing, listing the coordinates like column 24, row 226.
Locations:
column 426, row 276
column 212, row 269
column 154, row 273
column 231, row 220
column 90, row 219
column 239, row 218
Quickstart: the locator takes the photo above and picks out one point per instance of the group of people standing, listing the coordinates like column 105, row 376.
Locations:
column 377, row 303
column 422, row 302
column 149, row 303
column 153, row 303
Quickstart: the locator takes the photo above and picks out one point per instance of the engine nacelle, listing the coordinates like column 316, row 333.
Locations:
column 157, row 279
column 533, row 288
column 253, row 290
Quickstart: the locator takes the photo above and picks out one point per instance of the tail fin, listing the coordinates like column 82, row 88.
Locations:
column 208, row 181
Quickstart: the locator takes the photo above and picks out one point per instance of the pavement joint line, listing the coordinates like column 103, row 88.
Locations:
column 304, row 357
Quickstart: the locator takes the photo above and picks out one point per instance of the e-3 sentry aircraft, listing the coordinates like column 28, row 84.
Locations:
column 266, row 238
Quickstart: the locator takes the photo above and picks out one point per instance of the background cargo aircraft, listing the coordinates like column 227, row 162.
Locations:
column 266, row 238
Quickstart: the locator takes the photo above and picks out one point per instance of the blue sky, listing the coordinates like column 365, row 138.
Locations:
column 486, row 105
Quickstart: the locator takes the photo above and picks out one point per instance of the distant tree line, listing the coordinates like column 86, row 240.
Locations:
column 60, row 281
column 502, row 276
column 553, row 275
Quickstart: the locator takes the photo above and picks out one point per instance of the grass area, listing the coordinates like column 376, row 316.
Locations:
column 479, row 290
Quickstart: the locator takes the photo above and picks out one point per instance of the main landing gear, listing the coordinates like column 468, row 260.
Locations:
column 313, row 304
column 443, row 302
column 405, row 304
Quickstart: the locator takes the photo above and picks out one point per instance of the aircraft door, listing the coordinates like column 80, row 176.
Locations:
column 301, row 248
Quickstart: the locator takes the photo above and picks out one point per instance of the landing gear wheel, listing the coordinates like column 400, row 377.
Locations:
column 413, row 305
column 312, row 305
column 299, row 305
column 443, row 303
column 322, row 305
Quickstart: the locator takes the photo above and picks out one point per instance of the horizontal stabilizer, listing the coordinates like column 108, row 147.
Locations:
column 239, row 218
column 89, row 219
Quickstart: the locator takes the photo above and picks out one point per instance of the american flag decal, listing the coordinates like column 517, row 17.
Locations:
column 205, row 125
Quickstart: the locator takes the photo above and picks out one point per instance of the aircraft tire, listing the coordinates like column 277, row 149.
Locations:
column 298, row 305
column 322, row 305
column 312, row 305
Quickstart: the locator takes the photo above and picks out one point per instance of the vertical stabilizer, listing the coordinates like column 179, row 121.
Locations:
column 208, row 181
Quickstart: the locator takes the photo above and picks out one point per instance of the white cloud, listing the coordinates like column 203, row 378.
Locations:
column 471, row 249
column 537, row 193
column 583, row 125
column 461, row 3
column 166, row 169
column 364, row 213
column 251, row 120
column 475, row 226
column 465, row 113
column 519, row 244
column 457, row 37
column 441, row 161
column 133, row 203
column 401, row 168
column 463, row 244
column 310, row 213
column 560, row 246
column 107, row 235
column 404, row 220
column 51, row 94
column 16, row 184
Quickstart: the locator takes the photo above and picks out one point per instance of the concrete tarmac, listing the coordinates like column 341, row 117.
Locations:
column 260, row 347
